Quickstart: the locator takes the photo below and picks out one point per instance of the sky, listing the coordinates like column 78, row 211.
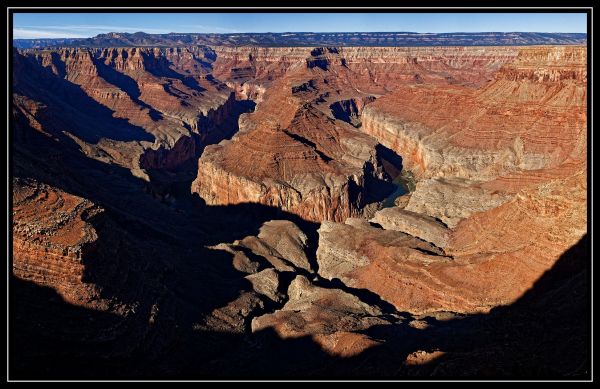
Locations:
column 81, row 25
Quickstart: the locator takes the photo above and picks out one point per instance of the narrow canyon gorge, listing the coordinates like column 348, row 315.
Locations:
column 214, row 211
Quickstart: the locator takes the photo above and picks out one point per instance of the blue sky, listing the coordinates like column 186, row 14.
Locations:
column 74, row 25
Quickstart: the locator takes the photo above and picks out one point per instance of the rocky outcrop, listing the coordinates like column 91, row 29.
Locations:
column 453, row 199
column 332, row 318
column 312, row 169
column 266, row 283
column 289, row 241
column 53, row 240
column 416, row 224
column 280, row 244
column 286, row 295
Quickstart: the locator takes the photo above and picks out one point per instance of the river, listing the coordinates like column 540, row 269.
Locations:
column 404, row 184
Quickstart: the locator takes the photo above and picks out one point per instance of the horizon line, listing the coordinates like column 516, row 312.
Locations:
column 315, row 32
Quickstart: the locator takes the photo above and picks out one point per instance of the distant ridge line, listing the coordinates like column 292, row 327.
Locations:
column 309, row 39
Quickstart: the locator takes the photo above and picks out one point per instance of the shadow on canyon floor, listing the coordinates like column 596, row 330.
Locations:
column 545, row 334
column 125, row 83
column 93, row 120
column 152, row 257
column 177, row 182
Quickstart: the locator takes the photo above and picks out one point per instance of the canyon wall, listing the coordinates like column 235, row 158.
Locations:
column 126, row 104
column 502, row 166
column 476, row 133
column 376, row 70
column 51, row 248
column 303, row 86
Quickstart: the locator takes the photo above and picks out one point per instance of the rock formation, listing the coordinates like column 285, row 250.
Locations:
column 332, row 317
column 53, row 239
column 418, row 225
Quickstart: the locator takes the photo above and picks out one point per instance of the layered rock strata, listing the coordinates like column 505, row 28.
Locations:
column 487, row 132
column 492, row 164
column 53, row 239
column 128, row 106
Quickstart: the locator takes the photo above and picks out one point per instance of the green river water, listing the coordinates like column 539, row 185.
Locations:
column 404, row 184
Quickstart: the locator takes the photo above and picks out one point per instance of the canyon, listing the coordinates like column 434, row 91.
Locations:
column 186, row 211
